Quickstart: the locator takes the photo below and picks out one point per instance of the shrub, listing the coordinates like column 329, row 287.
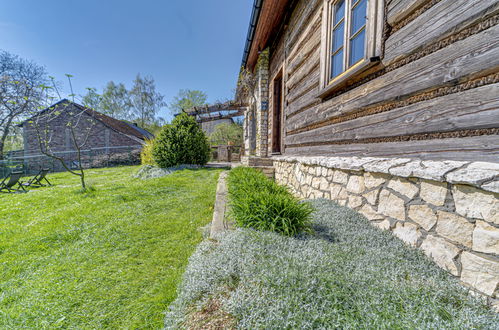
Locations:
column 259, row 203
column 182, row 142
column 146, row 157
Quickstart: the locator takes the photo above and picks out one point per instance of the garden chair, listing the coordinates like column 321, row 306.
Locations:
column 37, row 180
column 9, row 183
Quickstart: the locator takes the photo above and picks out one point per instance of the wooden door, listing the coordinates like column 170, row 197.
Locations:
column 277, row 115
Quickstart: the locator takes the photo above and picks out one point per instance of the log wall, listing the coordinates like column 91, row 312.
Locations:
column 435, row 94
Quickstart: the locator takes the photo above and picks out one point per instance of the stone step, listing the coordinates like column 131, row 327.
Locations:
column 257, row 161
column 269, row 171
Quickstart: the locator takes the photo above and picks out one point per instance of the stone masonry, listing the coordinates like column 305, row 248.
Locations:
column 448, row 209
column 262, row 105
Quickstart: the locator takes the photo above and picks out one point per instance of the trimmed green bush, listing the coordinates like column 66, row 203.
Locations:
column 146, row 157
column 182, row 142
column 259, row 203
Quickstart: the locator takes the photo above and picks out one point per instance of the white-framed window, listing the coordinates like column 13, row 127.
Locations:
column 351, row 39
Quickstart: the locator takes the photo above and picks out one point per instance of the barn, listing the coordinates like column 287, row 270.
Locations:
column 104, row 136
column 389, row 107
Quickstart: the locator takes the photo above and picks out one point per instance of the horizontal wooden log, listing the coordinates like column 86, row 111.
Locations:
column 476, row 54
column 303, row 103
column 436, row 23
column 311, row 41
column 312, row 82
column 309, row 65
column 473, row 109
column 303, row 14
column 399, row 9
column 480, row 148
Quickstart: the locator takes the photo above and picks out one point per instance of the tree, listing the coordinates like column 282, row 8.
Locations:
column 182, row 142
column 92, row 99
column 116, row 101
column 19, row 91
column 227, row 134
column 145, row 101
column 77, row 120
column 187, row 99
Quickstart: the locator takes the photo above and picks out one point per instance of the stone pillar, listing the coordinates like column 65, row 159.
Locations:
column 262, row 104
column 249, row 131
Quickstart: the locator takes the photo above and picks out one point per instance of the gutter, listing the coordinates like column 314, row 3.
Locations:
column 255, row 16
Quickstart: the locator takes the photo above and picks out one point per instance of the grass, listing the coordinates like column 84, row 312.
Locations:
column 347, row 274
column 110, row 258
column 260, row 203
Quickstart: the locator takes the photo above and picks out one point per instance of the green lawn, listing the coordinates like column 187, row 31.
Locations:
column 111, row 258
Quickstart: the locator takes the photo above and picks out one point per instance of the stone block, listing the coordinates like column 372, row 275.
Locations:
column 455, row 228
column 372, row 197
column 384, row 225
column 431, row 170
column 356, row 184
column 404, row 187
column 433, row 192
column 442, row 252
column 355, row 201
column 408, row 232
column 382, row 165
column 475, row 203
column 370, row 213
column 324, row 184
column 391, row 205
column 316, row 182
column 491, row 186
column 373, row 180
column 474, row 174
column 338, row 192
column 340, row 177
column 486, row 238
column 422, row 215
column 480, row 272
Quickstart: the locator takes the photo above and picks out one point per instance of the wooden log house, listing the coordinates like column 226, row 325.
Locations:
column 390, row 107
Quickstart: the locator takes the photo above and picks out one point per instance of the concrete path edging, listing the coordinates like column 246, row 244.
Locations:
column 219, row 223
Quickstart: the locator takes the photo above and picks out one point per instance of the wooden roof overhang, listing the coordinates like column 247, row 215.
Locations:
column 217, row 111
column 266, row 18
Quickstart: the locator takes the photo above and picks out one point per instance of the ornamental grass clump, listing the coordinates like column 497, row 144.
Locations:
column 146, row 157
column 259, row 203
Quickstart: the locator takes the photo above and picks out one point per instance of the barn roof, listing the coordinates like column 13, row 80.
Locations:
column 115, row 124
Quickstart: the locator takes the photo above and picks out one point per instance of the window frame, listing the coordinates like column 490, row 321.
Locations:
column 372, row 46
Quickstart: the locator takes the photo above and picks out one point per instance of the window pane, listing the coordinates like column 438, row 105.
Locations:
column 338, row 35
column 339, row 11
column 337, row 64
column 357, row 45
column 358, row 16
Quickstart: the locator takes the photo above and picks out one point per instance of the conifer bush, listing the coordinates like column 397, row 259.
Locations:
column 259, row 203
column 182, row 142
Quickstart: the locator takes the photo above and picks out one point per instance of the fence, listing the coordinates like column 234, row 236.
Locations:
column 90, row 158
column 226, row 153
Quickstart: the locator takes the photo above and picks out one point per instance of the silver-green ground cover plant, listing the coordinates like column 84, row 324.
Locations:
column 344, row 274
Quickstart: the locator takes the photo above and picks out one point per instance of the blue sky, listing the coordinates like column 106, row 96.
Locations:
column 194, row 44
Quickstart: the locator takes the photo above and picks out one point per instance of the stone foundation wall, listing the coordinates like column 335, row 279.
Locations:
column 448, row 209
